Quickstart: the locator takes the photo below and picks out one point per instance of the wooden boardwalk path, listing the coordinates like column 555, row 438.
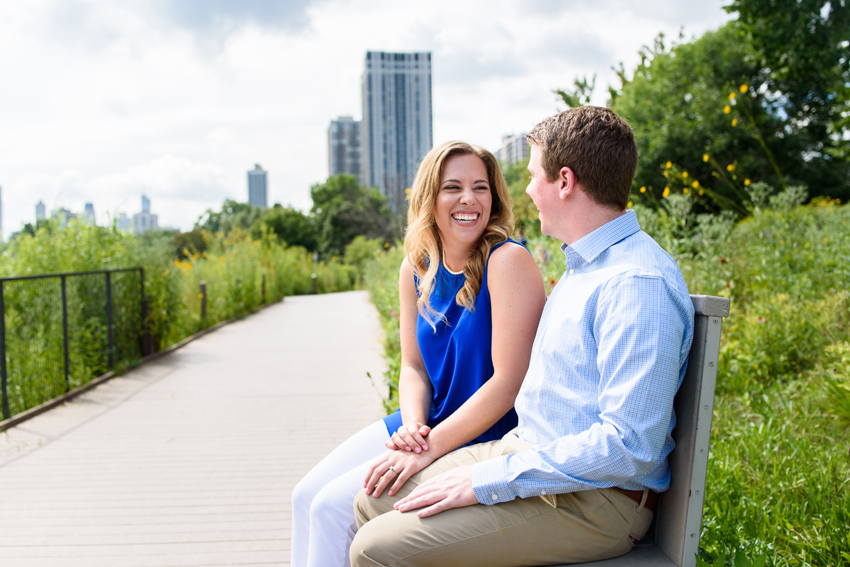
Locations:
column 190, row 460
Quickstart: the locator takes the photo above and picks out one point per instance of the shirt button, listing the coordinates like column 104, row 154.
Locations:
column 572, row 272
column 494, row 497
column 542, row 493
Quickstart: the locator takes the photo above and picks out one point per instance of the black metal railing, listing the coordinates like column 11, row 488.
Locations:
column 59, row 331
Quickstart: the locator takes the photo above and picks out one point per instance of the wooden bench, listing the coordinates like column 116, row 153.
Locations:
column 673, row 537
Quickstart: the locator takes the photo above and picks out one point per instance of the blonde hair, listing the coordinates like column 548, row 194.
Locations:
column 422, row 240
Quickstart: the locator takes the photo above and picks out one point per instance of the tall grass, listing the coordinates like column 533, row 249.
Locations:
column 779, row 470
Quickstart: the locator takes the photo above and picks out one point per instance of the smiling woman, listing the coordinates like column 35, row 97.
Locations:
column 470, row 300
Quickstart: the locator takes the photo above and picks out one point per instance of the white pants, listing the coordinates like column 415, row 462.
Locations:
column 323, row 523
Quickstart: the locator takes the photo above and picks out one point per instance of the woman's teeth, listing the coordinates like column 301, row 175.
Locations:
column 467, row 218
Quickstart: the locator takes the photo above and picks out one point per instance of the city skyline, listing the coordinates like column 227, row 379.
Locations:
column 176, row 100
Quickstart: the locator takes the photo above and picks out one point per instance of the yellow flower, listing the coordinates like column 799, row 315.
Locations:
column 734, row 122
column 825, row 239
column 629, row 205
column 666, row 192
column 727, row 109
column 386, row 244
column 732, row 96
column 746, row 182
column 685, row 174
column 744, row 88
column 705, row 157
column 695, row 184
column 685, row 191
column 643, row 189
column 730, row 167
column 701, row 191
column 200, row 296
column 669, row 164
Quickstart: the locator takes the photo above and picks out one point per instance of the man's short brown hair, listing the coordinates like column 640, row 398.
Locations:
column 597, row 144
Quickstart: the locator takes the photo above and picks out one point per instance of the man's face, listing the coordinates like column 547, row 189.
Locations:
column 544, row 193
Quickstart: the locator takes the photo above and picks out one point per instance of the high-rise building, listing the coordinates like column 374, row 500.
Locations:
column 123, row 222
column 64, row 215
column 514, row 149
column 144, row 221
column 344, row 147
column 257, row 187
column 88, row 214
column 396, row 131
column 40, row 211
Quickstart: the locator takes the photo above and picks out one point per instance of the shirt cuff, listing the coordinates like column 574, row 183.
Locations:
column 489, row 481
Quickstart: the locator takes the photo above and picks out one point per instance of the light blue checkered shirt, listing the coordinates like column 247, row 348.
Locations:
column 609, row 355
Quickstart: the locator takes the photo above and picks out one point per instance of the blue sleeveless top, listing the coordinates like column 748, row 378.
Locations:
column 457, row 355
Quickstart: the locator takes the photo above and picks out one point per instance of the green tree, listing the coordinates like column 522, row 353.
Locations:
column 291, row 226
column 344, row 209
column 233, row 214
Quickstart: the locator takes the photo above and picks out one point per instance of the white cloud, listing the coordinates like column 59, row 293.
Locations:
column 178, row 99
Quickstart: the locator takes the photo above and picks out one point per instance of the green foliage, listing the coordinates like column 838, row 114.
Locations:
column 343, row 209
column 360, row 251
column 290, row 226
column 232, row 215
column 526, row 218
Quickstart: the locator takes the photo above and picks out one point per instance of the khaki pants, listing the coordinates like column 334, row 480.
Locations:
column 544, row 530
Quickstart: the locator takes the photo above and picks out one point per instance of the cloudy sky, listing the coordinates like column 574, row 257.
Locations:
column 103, row 101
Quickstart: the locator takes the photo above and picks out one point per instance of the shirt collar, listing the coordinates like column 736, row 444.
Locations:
column 592, row 245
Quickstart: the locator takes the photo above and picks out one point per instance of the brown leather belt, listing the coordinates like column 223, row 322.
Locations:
column 636, row 495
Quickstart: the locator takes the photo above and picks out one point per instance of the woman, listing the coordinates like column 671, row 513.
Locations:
column 470, row 300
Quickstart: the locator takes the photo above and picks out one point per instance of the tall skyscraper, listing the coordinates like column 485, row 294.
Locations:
column 514, row 148
column 344, row 147
column 88, row 214
column 144, row 221
column 257, row 187
column 40, row 211
column 396, row 131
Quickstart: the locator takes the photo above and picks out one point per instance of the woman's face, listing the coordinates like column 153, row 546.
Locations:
column 463, row 203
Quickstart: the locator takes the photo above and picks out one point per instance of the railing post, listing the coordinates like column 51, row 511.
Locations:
column 3, row 376
column 65, row 336
column 109, row 320
column 315, row 284
column 203, row 301
column 142, row 325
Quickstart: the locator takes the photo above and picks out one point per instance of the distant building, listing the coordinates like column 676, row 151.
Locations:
column 145, row 221
column 40, row 211
column 123, row 222
column 514, row 149
column 344, row 147
column 258, row 187
column 64, row 216
column 396, row 131
column 88, row 214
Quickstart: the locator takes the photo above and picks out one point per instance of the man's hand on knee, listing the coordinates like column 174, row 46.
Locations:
column 451, row 489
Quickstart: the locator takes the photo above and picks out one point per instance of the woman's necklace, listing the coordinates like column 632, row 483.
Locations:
column 446, row 266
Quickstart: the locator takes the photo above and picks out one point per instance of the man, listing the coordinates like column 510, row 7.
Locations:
column 578, row 479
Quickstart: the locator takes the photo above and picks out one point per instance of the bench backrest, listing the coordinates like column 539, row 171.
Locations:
column 678, row 519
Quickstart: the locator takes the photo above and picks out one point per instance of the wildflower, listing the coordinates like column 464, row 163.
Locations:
column 684, row 174
column 762, row 319
column 825, row 239
column 685, row 191
column 732, row 96
column 643, row 189
column 701, row 191
column 734, row 122
column 200, row 296
column 735, row 177
column 386, row 244
column 730, row 167
column 666, row 192
column 669, row 164
column 629, row 205
column 695, row 184
column 744, row 88
column 705, row 157
column 727, row 109
column 747, row 182
column 394, row 314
